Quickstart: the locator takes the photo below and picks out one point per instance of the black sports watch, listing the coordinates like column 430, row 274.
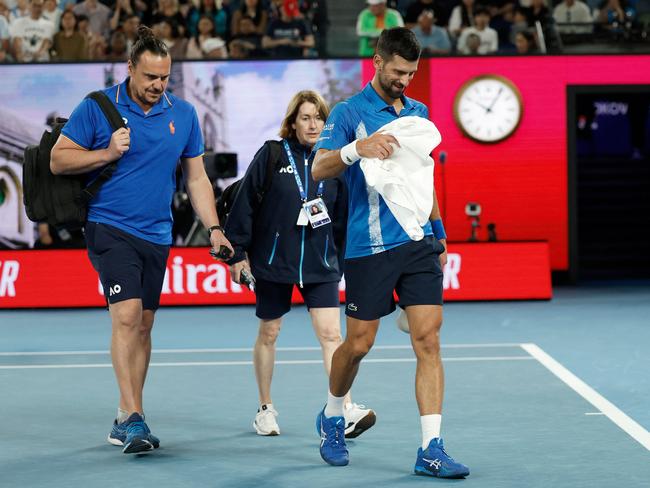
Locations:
column 215, row 227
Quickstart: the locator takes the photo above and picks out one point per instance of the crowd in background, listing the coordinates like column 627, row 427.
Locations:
column 489, row 26
column 67, row 30
column 104, row 30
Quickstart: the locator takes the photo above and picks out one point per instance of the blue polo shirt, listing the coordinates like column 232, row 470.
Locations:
column 372, row 228
column 137, row 199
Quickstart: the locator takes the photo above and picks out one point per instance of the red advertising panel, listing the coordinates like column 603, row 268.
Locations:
column 497, row 271
column 480, row 271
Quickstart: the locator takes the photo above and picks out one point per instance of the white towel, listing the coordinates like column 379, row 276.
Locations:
column 405, row 179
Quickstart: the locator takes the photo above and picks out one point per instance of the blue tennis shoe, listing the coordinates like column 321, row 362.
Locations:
column 119, row 435
column 434, row 461
column 332, row 439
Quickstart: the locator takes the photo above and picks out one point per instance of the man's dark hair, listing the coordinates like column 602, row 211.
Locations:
column 481, row 11
column 147, row 41
column 400, row 41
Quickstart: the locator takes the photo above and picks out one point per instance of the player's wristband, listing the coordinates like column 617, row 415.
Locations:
column 349, row 153
column 438, row 229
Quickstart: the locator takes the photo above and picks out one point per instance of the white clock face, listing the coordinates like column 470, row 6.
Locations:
column 488, row 108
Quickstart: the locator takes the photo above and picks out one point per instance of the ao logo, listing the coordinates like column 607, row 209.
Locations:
column 126, row 121
column 114, row 290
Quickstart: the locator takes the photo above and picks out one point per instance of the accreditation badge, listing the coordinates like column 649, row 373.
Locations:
column 316, row 212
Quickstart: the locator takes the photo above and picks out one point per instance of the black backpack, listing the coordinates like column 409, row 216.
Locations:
column 227, row 198
column 61, row 200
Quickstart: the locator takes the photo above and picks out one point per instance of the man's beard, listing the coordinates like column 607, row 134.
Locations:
column 390, row 89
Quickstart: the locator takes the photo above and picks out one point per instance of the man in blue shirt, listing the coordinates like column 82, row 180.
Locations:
column 433, row 39
column 128, row 232
column 380, row 256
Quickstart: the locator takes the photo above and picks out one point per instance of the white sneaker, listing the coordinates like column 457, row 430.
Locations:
column 265, row 423
column 403, row 322
column 358, row 419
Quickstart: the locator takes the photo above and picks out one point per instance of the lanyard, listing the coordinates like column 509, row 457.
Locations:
column 301, row 188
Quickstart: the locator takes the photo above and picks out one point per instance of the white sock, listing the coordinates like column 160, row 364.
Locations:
column 334, row 407
column 122, row 415
column 265, row 406
column 430, row 428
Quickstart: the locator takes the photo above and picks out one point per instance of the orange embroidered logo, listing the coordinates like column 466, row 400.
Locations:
column 172, row 129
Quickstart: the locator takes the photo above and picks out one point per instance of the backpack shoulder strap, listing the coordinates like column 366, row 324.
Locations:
column 110, row 112
column 115, row 120
column 275, row 155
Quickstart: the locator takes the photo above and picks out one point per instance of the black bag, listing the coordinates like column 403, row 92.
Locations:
column 61, row 200
column 227, row 198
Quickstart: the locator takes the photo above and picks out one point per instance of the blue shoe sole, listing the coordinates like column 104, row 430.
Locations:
column 342, row 462
column 425, row 472
column 137, row 445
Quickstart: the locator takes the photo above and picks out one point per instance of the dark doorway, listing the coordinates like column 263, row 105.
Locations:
column 609, row 182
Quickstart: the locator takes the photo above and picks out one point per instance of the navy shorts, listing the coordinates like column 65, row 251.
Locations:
column 273, row 300
column 412, row 270
column 128, row 267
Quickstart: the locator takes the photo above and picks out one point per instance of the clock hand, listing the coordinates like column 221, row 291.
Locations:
column 479, row 104
column 489, row 109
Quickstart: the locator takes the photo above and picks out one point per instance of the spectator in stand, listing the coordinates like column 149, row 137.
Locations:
column 248, row 43
column 217, row 10
column 315, row 14
column 117, row 48
column 538, row 11
column 462, row 17
column 31, row 36
column 488, row 36
column 20, row 10
column 433, row 39
column 4, row 11
column 176, row 45
column 372, row 21
column 525, row 43
column 255, row 10
column 610, row 13
column 4, row 34
column 144, row 10
column 99, row 17
column 205, row 31
column 5, row 56
column 289, row 36
column 122, row 11
column 573, row 12
column 69, row 43
column 169, row 10
column 414, row 10
column 501, row 19
column 214, row 48
column 519, row 24
column 52, row 13
column 130, row 29
column 98, row 48
column 83, row 26
column 472, row 45
column 66, row 5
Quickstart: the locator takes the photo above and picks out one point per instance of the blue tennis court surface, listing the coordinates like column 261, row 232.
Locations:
column 539, row 394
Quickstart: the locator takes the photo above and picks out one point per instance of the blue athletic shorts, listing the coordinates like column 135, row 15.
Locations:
column 273, row 300
column 412, row 270
column 128, row 267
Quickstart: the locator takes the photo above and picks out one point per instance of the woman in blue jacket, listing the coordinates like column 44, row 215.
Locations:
column 282, row 244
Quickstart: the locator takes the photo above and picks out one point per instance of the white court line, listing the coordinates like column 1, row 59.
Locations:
column 616, row 415
column 243, row 349
column 250, row 363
